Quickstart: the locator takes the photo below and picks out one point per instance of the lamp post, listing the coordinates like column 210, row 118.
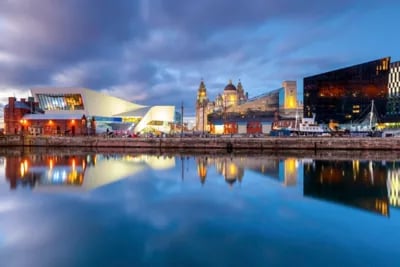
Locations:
column 203, row 104
column 224, row 115
column 182, row 119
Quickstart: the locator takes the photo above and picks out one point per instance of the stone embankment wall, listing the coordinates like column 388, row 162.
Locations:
column 225, row 143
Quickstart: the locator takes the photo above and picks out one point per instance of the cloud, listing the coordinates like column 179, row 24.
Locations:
column 156, row 51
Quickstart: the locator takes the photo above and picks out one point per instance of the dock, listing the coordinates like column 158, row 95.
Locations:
column 207, row 143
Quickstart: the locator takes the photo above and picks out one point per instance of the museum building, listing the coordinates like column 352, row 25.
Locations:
column 81, row 111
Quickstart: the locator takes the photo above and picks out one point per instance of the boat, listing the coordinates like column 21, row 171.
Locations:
column 308, row 126
column 302, row 126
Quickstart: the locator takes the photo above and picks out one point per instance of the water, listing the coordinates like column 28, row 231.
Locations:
column 111, row 209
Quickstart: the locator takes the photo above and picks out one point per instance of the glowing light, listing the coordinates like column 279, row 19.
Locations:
column 22, row 170
column 26, row 165
column 290, row 173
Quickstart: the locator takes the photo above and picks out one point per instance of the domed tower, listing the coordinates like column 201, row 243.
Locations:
column 202, row 93
column 232, row 172
column 201, row 108
column 230, row 96
column 202, row 169
column 242, row 96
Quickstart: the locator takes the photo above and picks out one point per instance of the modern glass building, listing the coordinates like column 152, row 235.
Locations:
column 393, row 104
column 346, row 94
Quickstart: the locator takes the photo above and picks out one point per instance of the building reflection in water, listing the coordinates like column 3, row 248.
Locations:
column 360, row 184
column 393, row 183
column 80, row 172
column 233, row 168
column 368, row 185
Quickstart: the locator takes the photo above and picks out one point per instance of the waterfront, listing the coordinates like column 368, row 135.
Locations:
column 226, row 143
column 113, row 208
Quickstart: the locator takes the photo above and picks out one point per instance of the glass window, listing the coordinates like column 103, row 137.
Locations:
column 61, row 102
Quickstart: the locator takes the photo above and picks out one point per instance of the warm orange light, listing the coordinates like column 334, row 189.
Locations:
column 73, row 121
column 50, row 122
column 22, row 170
column 26, row 165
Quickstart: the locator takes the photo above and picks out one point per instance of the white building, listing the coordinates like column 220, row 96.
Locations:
column 109, row 112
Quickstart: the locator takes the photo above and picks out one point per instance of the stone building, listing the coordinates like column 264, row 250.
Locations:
column 233, row 112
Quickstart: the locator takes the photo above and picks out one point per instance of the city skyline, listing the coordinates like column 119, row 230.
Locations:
column 157, row 52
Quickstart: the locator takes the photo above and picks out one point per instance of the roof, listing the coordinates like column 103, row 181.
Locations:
column 230, row 87
column 53, row 116
column 19, row 104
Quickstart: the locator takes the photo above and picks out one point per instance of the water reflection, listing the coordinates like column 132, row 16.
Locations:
column 77, row 172
column 233, row 168
column 360, row 184
column 369, row 185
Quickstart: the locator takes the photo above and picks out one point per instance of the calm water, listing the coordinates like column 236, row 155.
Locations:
column 141, row 210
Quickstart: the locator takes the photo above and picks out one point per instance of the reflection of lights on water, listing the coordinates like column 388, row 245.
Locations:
column 356, row 169
column 393, row 185
column 381, row 206
column 290, row 171
column 23, row 168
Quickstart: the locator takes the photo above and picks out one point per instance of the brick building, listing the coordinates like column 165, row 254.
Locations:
column 15, row 110
column 26, row 117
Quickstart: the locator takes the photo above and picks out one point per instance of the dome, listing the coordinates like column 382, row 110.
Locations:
column 230, row 87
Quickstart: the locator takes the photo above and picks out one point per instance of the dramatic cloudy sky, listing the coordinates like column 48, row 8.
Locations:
column 157, row 51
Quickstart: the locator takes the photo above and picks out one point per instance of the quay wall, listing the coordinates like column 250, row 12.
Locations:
column 219, row 143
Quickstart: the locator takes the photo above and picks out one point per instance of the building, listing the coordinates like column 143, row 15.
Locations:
column 288, row 103
column 231, row 97
column 233, row 112
column 83, row 111
column 344, row 95
column 15, row 110
column 201, row 108
column 393, row 103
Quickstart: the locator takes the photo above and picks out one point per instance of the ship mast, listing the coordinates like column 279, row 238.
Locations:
column 371, row 114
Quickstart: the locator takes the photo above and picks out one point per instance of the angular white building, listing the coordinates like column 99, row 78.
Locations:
column 115, row 114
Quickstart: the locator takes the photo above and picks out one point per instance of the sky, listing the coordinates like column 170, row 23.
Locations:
column 155, row 52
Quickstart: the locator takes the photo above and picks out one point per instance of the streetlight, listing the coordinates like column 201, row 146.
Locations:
column 182, row 119
column 203, row 104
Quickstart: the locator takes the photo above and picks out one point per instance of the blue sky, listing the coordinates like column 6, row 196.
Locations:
column 157, row 51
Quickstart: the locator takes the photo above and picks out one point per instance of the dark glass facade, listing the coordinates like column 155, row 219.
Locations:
column 343, row 95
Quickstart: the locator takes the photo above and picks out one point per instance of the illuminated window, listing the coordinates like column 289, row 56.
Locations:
column 60, row 101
